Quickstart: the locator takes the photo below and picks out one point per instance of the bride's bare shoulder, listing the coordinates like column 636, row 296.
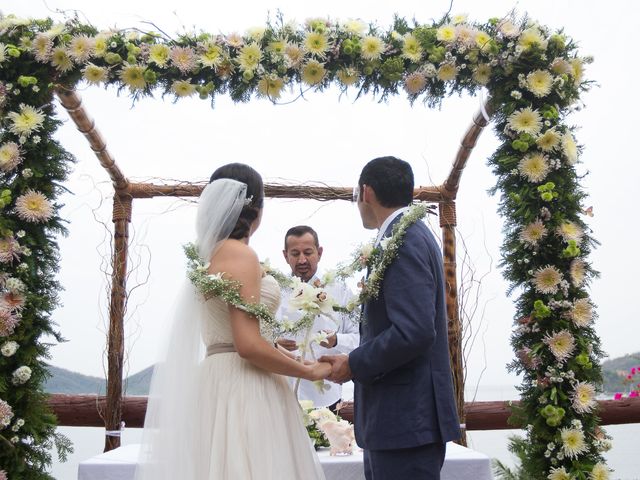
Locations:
column 234, row 253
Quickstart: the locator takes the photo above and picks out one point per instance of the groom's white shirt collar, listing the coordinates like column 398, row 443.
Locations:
column 387, row 222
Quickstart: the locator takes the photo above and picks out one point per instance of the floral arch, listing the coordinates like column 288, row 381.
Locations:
column 534, row 77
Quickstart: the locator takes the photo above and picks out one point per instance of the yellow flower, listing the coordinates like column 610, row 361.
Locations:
column 573, row 443
column 372, row 47
column 33, row 207
column 270, row 86
column 562, row 344
column 81, row 48
column 539, row 83
column 249, row 58
column 133, row 77
column 447, row 71
column 600, row 472
column 482, row 73
column 159, row 54
column 183, row 88
column 100, row 46
column 348, row 76
column 570, row 148
column 446, row 33
column 532, row 37
column 546, row 279
column 482, row 39
column 27, row 121
column 212, row 55
column 94, row 74
column 278, row 47
column 533, row 233
column 10, row 156
column 316, row 43
column 548, row 141
column 354, row 26
column 584, row 397
column 411, row 48
column 525, row 120
column 459, row 18
column 42, row 46
column 313, row 72
column 570, row 231
column 577, row 272
column 256, row 33
column 61, row 60
column 582, row 312
column 559, row 473
column 415, row 83
column 577, row 70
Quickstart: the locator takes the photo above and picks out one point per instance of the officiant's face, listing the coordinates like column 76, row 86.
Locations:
column 302, row 255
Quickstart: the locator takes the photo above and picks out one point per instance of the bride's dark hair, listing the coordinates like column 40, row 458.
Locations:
column 255, row 191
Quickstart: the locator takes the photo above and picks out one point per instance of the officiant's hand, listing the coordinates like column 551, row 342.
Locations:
column 340, row 370
column 287, row 344
column 331, row 341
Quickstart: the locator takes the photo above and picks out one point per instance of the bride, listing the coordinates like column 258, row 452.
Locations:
column 220, row 406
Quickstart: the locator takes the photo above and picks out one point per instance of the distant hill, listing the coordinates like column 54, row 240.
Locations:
column 73, row 383
column 615, row 370
column 66, row 381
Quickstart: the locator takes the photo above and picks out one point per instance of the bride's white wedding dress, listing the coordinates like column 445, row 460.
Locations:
column 249, row 421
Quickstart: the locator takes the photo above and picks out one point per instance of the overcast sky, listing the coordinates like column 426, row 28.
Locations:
column 328, row 138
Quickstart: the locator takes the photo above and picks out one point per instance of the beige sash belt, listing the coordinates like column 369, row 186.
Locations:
column 220, row 348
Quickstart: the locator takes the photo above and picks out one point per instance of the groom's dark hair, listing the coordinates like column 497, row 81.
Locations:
column 255, row 191
column 391, row 179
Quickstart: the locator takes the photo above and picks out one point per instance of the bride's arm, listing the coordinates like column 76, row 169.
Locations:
column 239, row 262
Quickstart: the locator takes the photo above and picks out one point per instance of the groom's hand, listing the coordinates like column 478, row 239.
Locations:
column 340, row 370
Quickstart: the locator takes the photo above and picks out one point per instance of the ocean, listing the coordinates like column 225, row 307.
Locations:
column 623, row 457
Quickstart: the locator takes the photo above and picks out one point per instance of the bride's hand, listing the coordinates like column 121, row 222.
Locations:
column 319, row 371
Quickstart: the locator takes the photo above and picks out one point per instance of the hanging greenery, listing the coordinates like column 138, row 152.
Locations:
column 534, row 78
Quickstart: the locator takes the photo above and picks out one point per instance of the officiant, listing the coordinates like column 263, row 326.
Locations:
column 303, row 252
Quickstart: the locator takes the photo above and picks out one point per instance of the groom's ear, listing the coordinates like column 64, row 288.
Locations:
column 368, row 195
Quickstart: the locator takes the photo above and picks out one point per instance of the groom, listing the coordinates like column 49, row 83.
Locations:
column 404, row 404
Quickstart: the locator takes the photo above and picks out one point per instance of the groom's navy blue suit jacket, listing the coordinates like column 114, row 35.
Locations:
column 402, row 376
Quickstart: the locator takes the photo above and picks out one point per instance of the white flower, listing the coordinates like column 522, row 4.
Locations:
column 573, row 443
column 310, row 299
column 570, row 231
column 306, row 404
column 15, row 285
column 525, row 120
column 8, row 349
column 600, row 472
column 534, row 167
column 559, row 474
column 562, row 344
column 570, row 148
column 546, row 279
column 27, row 121
column 581, row 313
column 21, row 375
column 584, row 397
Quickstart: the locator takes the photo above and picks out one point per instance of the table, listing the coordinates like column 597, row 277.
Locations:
column 460, row 463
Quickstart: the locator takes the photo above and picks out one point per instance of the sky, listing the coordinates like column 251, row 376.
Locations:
column 328, row 138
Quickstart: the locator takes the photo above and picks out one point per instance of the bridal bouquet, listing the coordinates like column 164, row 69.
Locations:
column 313, row 418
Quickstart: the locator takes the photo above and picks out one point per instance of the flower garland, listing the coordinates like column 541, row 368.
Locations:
column 535, row 78
column 378, row 258
column 215, row 285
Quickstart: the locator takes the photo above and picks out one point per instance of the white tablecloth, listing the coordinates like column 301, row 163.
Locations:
column 460, row 463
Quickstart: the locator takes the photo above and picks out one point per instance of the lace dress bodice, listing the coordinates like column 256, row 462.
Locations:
column 216, row 325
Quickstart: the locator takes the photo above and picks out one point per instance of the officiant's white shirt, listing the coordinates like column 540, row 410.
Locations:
column 347, row 334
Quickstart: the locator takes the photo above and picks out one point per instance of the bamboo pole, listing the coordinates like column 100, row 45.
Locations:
column 448, row 225
column 115, row 354
column 72, row 102
column 320, row 193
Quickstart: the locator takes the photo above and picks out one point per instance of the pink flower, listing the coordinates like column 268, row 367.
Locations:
column 8, row 322
column 617, row 396
column 634, row 393
column 633, row 371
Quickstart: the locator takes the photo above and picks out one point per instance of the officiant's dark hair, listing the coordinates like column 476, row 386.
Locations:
column 255, row 191
column 391, row 179
column 300, row 230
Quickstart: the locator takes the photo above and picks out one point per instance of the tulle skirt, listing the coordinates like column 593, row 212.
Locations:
column 250, row 425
